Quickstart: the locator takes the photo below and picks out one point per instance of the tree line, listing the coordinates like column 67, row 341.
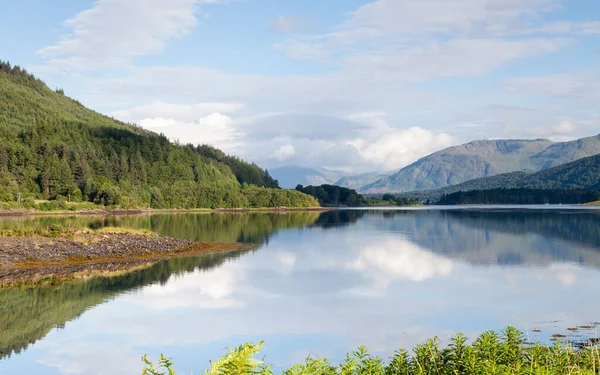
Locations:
column 521, row 196
column 333, row 195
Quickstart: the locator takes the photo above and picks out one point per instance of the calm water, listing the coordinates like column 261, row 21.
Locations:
column 320, row 283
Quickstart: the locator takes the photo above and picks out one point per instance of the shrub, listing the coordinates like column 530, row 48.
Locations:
column 490, row 353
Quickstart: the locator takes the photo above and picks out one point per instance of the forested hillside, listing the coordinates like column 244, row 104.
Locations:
column 53, row 148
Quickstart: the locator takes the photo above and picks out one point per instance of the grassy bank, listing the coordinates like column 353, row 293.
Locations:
column 490, row 353
column 11, row 209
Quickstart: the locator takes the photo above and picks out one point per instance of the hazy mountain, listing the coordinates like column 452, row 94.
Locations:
column 357, row 181
column 580, row 174
column 486, row 158
column 291, row 176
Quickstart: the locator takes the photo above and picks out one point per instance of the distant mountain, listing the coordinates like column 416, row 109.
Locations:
column 291, row 176
column 580, row 174
column 486, row 158
column 355, row 182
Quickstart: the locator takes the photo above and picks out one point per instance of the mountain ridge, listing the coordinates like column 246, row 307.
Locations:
column 580, row 174
column 483, row 158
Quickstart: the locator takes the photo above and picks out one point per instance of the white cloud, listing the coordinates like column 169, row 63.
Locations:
column 564, row 127
column 393, row 148
column 400, row 147
column 113, row 32
column 285, row 152
column 441, row 16
column 583, row 85
column 585, row 28
column 215, row 129
column 563, row 131
column 157, row 123
column 455, row 57
column 180, row 112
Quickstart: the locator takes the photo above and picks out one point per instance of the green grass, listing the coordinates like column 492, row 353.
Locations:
column 64, row 231
column 52, row 231
column 491, row 353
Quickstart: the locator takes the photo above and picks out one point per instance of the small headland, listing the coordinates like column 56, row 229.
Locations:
column 61, row 253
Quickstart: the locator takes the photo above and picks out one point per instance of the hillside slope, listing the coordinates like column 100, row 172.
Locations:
column 53, row 148
column 580, row 174
column 479, row 159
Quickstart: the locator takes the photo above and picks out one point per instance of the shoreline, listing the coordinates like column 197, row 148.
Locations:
column 34, row 259
column 150, row 211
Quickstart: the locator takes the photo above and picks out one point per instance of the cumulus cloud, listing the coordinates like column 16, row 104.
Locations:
column 392, row 148
column 214, row 129
column 397, row 148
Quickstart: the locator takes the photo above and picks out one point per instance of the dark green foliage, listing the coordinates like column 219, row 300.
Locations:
column 388, row 197
column 490, row 354
column 245, row 173
column 51, row 148
column 332, row 195
column 398, row 200
column 521, row 196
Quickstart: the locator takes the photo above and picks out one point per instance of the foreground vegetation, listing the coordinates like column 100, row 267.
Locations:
column 54, row 149
column 489, row 354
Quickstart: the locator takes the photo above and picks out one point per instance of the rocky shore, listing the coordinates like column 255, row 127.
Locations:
column 30, row 259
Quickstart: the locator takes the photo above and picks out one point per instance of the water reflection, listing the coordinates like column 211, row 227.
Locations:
column 327, row 284
column 28, row 314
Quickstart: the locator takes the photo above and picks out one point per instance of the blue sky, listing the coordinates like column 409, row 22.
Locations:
column 353, row 85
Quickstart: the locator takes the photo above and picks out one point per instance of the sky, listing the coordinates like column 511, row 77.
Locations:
column 354, row 85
